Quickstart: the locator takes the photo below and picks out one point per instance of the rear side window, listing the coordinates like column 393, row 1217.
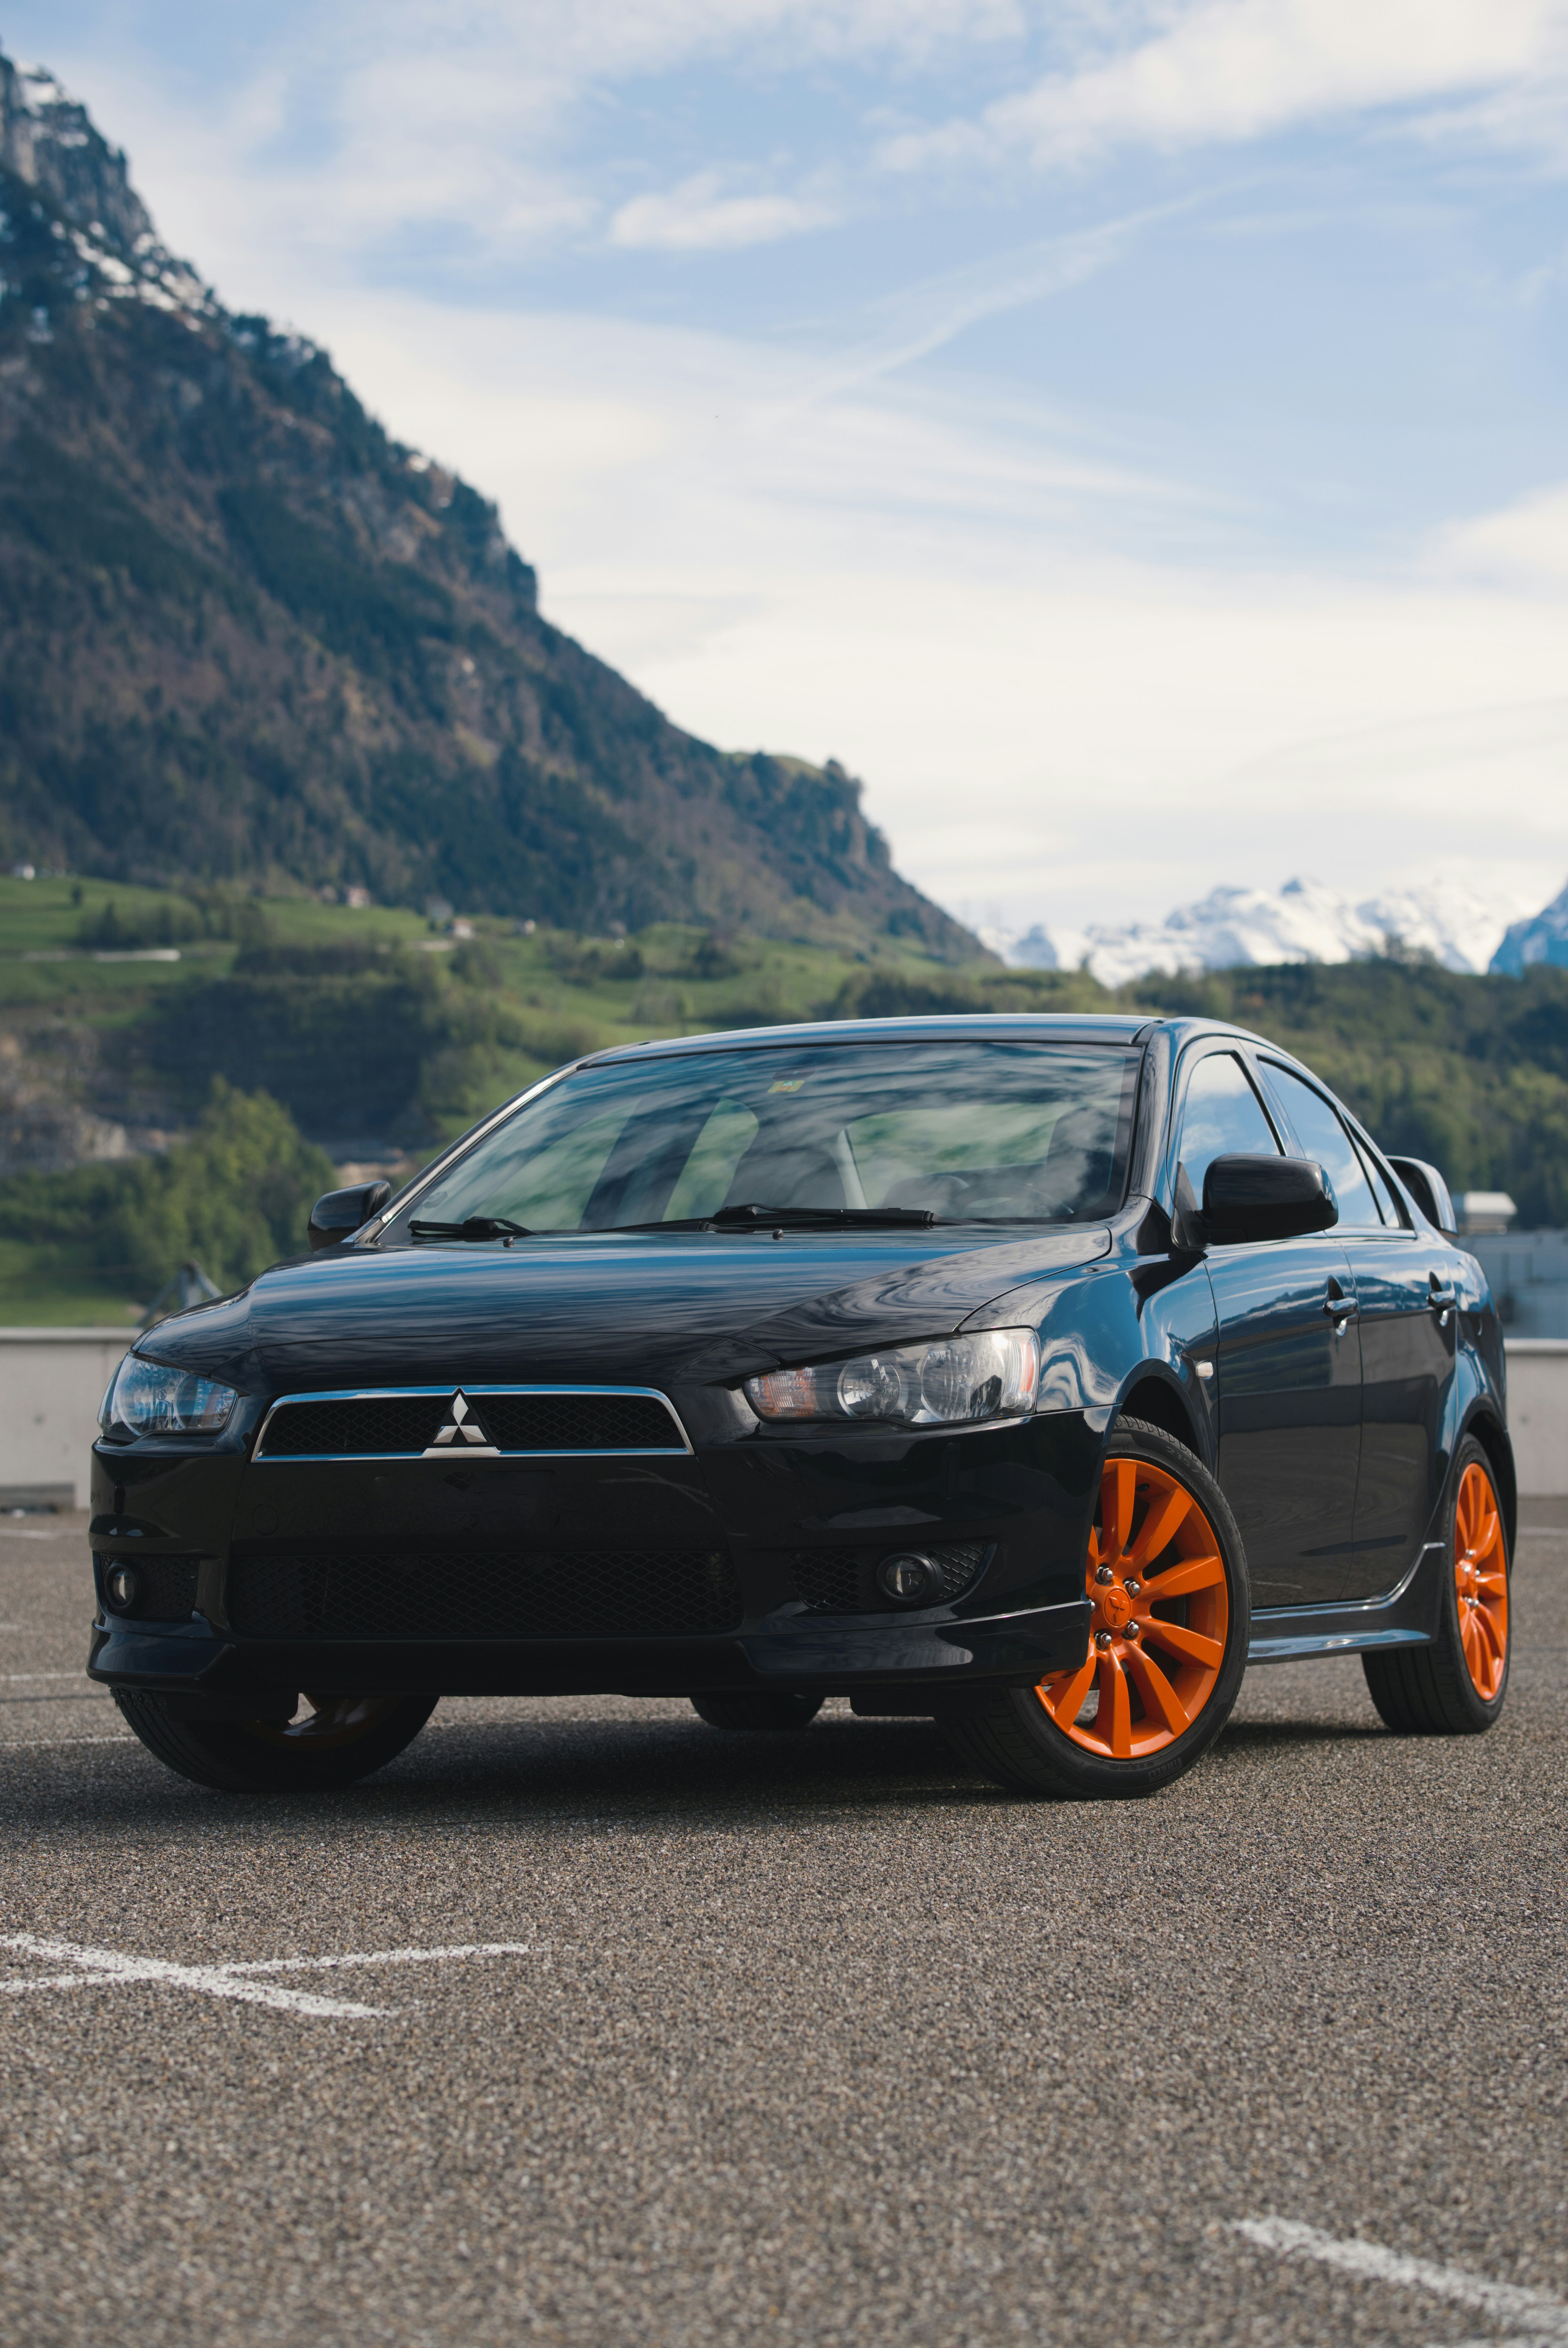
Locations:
column 1221, row 1116
column 1322, row 1137
column 1387, row 1206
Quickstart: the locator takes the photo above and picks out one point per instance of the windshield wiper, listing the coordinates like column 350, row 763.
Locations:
column 730, row 1219
column 478, row 1227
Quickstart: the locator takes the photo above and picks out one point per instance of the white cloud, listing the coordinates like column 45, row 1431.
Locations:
column 1046, row 729
column 696, row 218
column 1524, row 544
column 1229, row 71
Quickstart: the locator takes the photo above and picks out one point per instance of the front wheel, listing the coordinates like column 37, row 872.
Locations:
column 330, row 1741
column 1456, row 1686
column 1166, row 1575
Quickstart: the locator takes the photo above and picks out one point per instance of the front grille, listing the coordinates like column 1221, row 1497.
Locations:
column 843, row 1580
column 463, row 1595
column 165, row 1587
column 394, row 1426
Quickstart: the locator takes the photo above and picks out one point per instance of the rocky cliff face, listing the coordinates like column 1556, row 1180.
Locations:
column 244, row 635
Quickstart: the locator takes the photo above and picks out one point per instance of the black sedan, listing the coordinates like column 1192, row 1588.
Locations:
column 1031, row 1375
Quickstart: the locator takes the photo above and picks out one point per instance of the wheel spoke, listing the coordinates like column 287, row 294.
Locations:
column 1487, row 1632
column 1486, row 1539
column 1469, row 1639
column 1193, row 1573
column 1159, row 1527
column 1064, row 1697
column 1158, row 1694
column 1183, row 1642
column 1118, row 1488
column 1113, row 1695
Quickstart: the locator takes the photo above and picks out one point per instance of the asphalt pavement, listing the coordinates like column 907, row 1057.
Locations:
column 653, row 2035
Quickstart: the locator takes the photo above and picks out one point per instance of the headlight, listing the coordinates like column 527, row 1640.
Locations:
column 953, row 1382
column 150, row 1399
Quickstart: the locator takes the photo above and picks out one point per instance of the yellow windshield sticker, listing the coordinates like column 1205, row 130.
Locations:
column 788, row 1084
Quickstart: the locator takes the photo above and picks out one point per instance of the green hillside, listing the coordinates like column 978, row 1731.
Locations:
column 369, row 1036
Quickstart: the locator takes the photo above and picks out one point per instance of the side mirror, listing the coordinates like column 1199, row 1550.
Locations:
column 1430, row 1192
column 338, row 1214
column 1247, row 1198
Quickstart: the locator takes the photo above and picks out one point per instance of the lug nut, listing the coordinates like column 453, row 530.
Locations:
column 1130, row 1632
column 1132, row 1588
column 1103, row 1573
column 1103, row 1638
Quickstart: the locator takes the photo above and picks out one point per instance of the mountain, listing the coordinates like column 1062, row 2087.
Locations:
column 1543, row 938
column 1303, row 921
column 247, row 638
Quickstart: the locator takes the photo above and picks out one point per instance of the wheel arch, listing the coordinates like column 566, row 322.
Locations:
column 1154, row 1396
column 1492, row 1437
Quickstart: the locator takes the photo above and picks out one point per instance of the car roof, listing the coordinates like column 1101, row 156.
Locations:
column 1045, row 1027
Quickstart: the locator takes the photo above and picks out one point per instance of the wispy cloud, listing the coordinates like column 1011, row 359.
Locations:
column 922, row 318
column 696, row 217
column 1231, row 70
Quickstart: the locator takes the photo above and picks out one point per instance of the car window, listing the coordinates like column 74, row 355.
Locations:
column 1220, row 1115
column 1323, row 1136
column 985, row 1129
column 1387, row 1206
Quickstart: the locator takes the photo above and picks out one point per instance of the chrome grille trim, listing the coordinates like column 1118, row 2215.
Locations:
column 262, row 1456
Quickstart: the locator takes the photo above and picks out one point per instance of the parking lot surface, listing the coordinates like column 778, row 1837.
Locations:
column 586, row 2022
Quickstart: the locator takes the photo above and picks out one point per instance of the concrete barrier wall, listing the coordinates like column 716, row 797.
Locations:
column 52, row 1382
column 1538, row 1413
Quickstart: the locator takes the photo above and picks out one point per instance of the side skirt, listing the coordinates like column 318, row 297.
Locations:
column 1406, row 1617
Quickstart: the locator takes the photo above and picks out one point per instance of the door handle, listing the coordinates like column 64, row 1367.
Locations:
column 1339, row 1309
column 1442, row 1302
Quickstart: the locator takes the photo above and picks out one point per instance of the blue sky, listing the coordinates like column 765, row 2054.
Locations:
column 1130, row 436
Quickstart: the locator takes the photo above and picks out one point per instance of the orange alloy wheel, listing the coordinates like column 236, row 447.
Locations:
column 1481, row 1580
column 1162, row 1609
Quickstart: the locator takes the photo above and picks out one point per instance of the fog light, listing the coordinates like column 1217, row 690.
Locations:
column 910, row 1578
column 120, row 1587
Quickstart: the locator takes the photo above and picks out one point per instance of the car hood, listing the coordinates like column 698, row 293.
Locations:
column 647, row 1311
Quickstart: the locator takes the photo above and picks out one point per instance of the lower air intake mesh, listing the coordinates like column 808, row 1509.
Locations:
column 165, row 1586
column 843, row 1581
column 461, row 1594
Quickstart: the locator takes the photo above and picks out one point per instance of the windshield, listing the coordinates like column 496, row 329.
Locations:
column 965, row 1130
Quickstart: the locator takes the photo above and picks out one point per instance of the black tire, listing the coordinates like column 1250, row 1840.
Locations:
column 755, row 1708
column 1015, row 1738
column 1431, row 1690
column 341, row 1738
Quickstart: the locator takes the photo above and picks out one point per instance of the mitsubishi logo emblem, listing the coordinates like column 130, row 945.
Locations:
column 461, row 1427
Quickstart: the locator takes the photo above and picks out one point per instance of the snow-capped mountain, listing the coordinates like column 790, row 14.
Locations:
column 1459, row 926
column 1543, row 938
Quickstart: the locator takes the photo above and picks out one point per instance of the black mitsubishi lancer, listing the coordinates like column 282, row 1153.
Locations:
column 1030, row 1374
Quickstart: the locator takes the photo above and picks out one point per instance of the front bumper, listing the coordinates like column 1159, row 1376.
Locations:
column 1008, row 1650
column 761, row 1512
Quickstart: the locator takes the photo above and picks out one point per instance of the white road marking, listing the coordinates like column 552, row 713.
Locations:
column 109, row 1968
column 25, row 1532
column 51, row 1744
column 106, row 1966
column 385, row 1957
column 1541, row 2317
column 44, row 1675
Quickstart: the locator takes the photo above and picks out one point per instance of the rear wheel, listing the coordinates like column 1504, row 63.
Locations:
column 755, row 1708
column 1456, row 1686
column 1167, row 1578
column 330, row 1741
